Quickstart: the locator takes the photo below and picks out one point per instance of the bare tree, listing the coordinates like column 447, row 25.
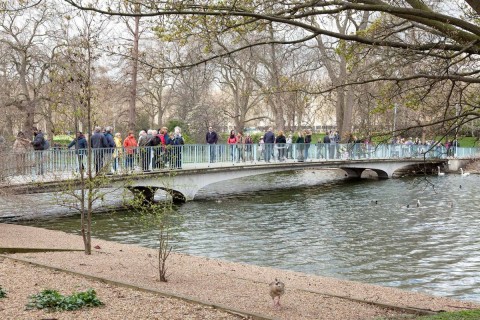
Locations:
column 446, row 35
column 24, row 34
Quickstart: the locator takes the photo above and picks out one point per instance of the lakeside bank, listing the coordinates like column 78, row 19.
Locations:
column 239, row 289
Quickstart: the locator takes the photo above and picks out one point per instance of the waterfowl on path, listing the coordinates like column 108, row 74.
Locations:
column 277, row 289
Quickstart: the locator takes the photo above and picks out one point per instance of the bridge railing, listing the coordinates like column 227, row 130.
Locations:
column 124, row 160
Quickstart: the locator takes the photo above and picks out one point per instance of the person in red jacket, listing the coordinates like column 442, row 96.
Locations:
column 130, row 144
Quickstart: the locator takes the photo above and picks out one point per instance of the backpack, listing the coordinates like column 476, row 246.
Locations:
column 46, row 144
column 178, row 141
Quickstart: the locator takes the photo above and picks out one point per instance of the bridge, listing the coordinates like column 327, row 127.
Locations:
column 183, row 170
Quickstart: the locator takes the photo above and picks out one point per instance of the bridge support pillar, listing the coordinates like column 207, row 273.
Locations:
column 353, row 172
column 144, row 194
column 177, row 197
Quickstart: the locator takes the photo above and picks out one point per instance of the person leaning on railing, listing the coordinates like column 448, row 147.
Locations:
column 81, row 145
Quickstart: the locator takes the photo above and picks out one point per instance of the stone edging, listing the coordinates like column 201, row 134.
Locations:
column 4, row 250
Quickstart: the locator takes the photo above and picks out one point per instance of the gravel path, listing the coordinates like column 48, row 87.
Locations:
column 236, row 286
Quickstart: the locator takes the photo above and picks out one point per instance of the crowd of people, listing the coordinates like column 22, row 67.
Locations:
column 122, row 152
column 273, row 146
column 111, row 152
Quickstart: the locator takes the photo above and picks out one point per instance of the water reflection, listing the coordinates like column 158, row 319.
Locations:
column 315, row 222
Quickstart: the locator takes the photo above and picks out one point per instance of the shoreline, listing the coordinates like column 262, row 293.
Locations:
column 241, row 288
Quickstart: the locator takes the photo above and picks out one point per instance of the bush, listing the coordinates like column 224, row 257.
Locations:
column 53, row 300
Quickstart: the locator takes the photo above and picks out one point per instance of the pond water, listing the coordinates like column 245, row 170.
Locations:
column 317, row 222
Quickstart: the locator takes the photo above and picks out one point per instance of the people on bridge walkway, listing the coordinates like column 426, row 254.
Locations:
column 211, row 138
column 269, row 140
column 81, row 145
column 39, row 144
column 301, row 147
column 130, row 143
column 99, row 143
column 156, row 150
column 280, row 142
column 20, row 148
column 232, row 141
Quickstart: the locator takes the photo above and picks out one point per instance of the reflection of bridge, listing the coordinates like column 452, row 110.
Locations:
column 53, row 169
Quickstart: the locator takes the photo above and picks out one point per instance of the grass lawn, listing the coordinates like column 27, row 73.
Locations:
column 458, row 315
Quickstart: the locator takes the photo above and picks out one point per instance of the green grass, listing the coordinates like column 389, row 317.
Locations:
column 458, row 315
column 62, row 139
column 3, row 293
column 469, row 142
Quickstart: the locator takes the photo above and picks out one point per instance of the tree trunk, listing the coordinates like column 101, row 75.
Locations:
column 133, row 89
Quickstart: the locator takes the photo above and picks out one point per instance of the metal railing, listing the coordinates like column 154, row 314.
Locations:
column 125, row 160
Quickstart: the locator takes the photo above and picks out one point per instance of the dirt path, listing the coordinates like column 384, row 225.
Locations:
column 238, row 287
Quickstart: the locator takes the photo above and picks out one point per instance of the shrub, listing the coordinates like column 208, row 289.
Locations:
column 53, row 300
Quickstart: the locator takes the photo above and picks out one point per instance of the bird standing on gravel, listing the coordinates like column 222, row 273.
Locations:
column 277, row 289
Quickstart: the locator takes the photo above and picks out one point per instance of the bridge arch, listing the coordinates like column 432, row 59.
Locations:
column 146, row 194
column 357, row 172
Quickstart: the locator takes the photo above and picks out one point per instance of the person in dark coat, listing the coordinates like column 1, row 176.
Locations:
column 308, row 140
column 99, row 143
column 280, row 141
column 212, row 139
column 269, row 140
column 300, row 146
column 326, row 146
column 81, row 145
column 176, row 151
column 39, row 143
